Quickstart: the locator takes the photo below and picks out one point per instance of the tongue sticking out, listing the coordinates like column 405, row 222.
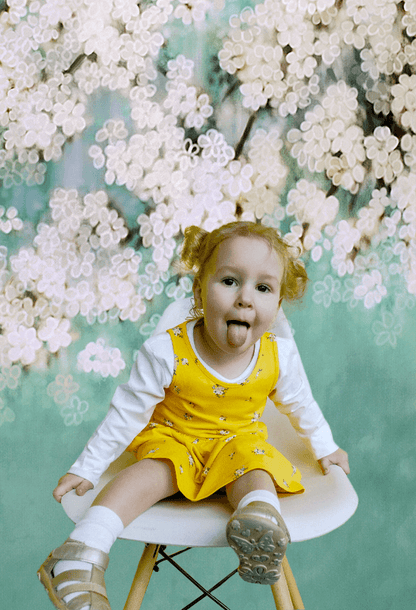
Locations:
column 236, row 334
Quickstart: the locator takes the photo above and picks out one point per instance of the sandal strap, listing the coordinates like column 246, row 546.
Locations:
column 79, row 575
column 78, row 551
column 87, row 587
column 96, row 602
column 89, row 581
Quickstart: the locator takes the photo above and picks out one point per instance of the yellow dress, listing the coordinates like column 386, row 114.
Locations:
column 210, row 430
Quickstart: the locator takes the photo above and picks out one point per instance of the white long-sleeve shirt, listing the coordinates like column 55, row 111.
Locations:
column 134, row 402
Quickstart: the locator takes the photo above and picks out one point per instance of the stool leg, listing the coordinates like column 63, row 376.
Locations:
column 281, row 594
column 293, row 588
column 142, row 577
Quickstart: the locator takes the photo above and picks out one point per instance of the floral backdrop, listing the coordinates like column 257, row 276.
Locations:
column 123, row 122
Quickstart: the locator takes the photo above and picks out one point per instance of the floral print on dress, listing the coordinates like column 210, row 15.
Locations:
column 258, row 451
column 188, row 417
column 239, row 472
column 190, row 459
column 258, row 373
column 222, row 418
column 230, row 438
column 219, row 390
column 167, row 422
column 152, row 451
column 178, row 332
column 185, row 362
column 224, row 432
column 272, row 337
column 175, row 363
column 177, row 389
column 256, row 417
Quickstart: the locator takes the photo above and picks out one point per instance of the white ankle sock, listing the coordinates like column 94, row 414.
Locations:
column 260, row 495
column 99, row 528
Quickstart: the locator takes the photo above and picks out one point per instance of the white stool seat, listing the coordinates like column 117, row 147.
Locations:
column 327, row 503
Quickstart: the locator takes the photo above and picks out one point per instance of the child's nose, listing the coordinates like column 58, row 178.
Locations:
column 245, row 297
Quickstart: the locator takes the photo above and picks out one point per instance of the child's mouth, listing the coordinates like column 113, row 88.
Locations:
column 237, row 332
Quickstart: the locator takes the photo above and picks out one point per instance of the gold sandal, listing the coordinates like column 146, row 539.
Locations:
column 91, row 585
column 259, row 536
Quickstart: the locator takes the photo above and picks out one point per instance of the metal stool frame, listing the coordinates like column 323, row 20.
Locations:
column 285, row 592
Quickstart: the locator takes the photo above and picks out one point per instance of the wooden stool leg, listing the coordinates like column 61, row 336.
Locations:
column 142, row 577
column 281, row 594
column 293, row 588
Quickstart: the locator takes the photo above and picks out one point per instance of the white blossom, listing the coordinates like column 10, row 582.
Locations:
column 101, row 359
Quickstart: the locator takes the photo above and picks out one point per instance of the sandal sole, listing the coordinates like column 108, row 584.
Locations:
column 260, row 545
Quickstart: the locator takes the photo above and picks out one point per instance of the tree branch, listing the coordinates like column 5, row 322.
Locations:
column 246, row 132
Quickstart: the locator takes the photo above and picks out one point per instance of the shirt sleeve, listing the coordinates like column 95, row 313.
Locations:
column 293, row 397
column 130, row 410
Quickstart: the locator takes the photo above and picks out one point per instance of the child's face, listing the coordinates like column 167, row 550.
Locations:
column 241, row 284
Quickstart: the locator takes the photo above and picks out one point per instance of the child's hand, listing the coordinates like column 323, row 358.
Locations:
column 339, row 457
column 71, row 481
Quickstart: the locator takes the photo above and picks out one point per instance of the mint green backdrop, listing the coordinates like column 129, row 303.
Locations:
column 82, row 276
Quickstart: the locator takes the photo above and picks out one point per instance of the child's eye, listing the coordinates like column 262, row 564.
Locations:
column 263, row 288
column 229, row 281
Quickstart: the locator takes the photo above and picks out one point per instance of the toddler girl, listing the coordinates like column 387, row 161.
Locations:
column 191, row 415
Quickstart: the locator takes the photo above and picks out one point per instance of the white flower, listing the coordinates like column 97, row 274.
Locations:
column 381, row 149
column 371, row 290
column 404, row 101
column 101, row 359
column 403, row 191
column 24, row 345
column 380, row 97
column 328, row 46
column 69, row 116
column 309, row 204
column 237, row 178
column 213, row 145
column 11, row 222
column 265, row 158
column 191, row 10
column 39, row 130
column 55, row 332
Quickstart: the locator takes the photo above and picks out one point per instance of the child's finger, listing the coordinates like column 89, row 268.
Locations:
column 324, row 463
column 83, row 488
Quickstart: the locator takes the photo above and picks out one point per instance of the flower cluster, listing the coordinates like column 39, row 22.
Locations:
column 256, row 51
column 99, row 358
column 330, row 140
column 11, row 222
column 77, row 266
column 313, row 210
column 54, row 55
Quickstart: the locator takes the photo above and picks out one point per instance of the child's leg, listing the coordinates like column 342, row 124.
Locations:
column 137, row 488
column 128, row 495
column 256, row 530
column 249, row 483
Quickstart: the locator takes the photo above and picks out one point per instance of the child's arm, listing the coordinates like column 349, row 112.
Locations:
column 130, row 411
column 293, row 397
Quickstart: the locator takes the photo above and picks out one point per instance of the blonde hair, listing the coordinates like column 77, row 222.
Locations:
column 199, row 245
